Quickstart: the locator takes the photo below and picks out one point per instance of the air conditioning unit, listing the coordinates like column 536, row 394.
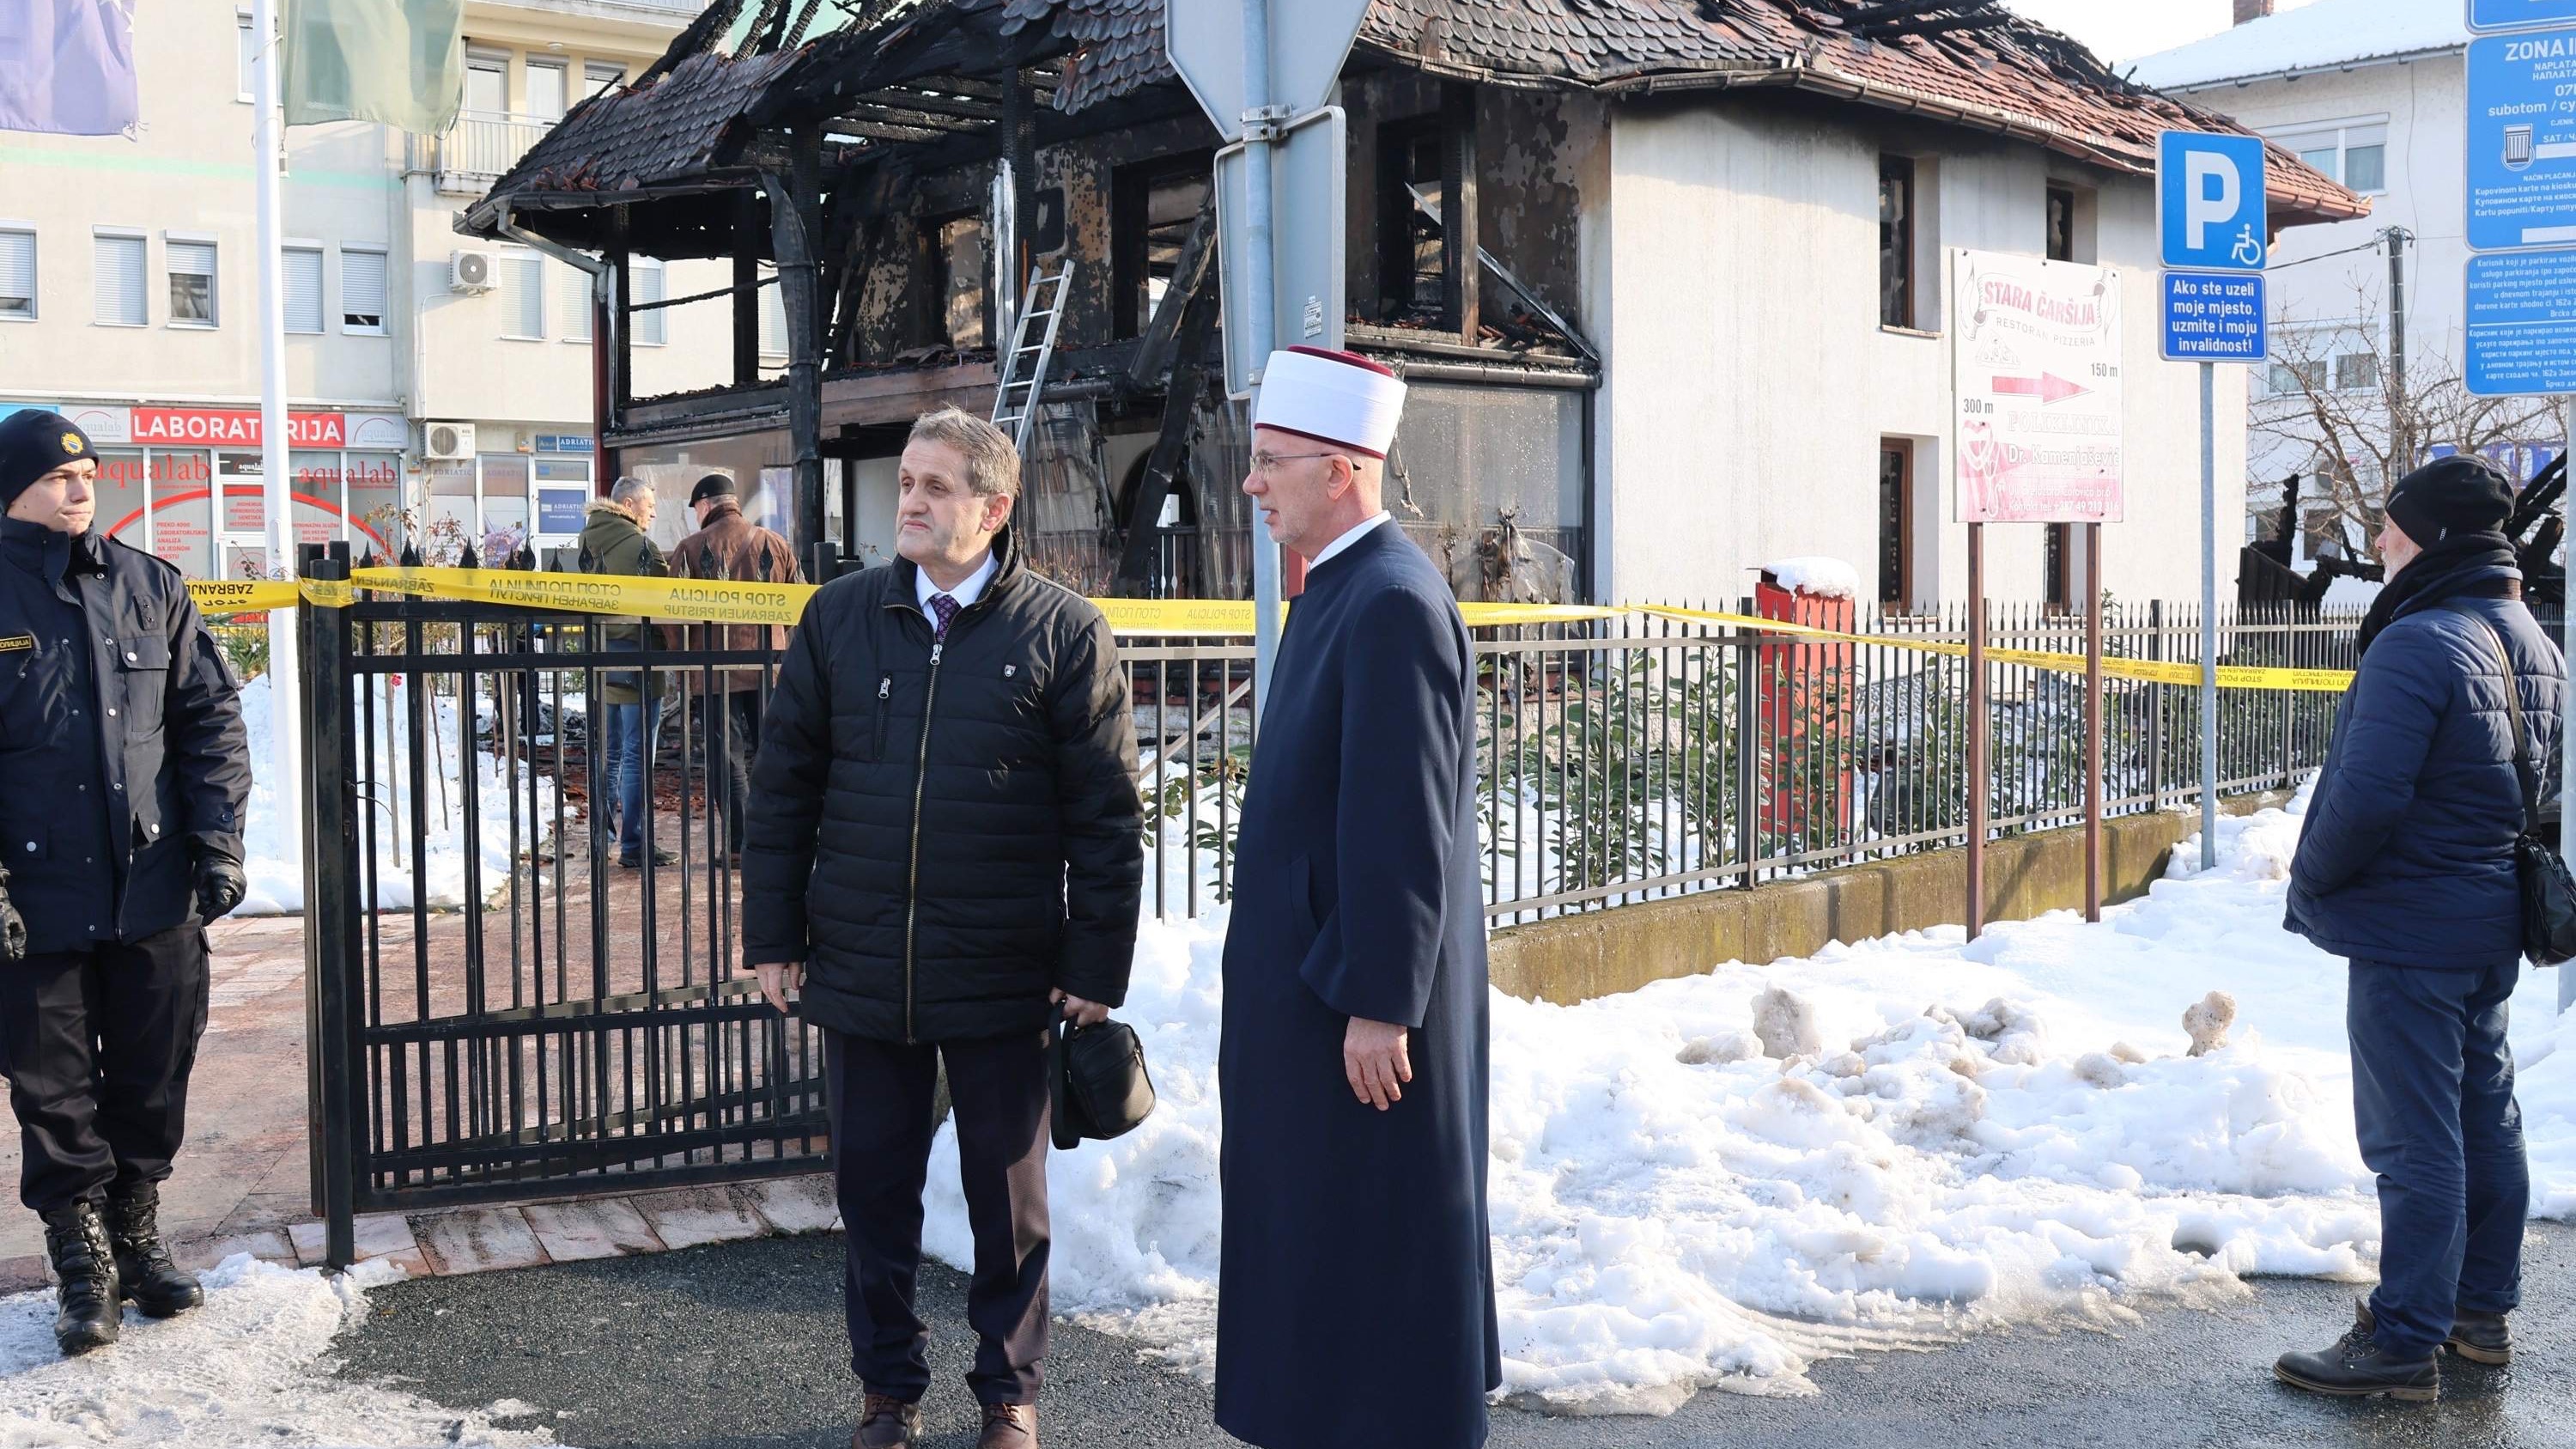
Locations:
column 469, row 271
column 448, row 440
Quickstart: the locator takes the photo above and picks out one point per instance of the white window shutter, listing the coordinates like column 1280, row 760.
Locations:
column 17, row 274
column 526, row 301
column 576, row 304
column 120, row 294
column 362, row 291
column 303, row 289
column 648, row 286
column 773, row 317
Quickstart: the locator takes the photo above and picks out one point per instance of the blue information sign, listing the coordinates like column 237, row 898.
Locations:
column 2212, row 317
column 2522, row 141
column 2210, row 201
column 563, row 443
column 2522, row 324
column 559, row 510
column 2490, row 15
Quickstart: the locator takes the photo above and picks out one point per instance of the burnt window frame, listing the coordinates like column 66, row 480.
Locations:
column 1896, row 524
column 931, row 251
column 1131, row 187
column 1899, row 290
column 1398, row 248
column 2057, row 242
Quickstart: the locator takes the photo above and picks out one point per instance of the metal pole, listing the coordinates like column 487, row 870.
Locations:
column 1259, row 310
column 1977, row 783
column 2208, row 616
column 2092, row 721
column 2566, row 739
column 267, row 136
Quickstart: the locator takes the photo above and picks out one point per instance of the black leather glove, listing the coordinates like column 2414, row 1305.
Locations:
column 220, row 885
column 13, row 927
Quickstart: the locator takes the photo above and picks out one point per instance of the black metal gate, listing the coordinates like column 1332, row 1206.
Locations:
column 497, row 1007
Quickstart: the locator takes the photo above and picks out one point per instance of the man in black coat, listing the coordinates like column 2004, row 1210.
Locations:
column 2406, row 867
column 123, row 775
column 1355, row 1304
column 944, row 853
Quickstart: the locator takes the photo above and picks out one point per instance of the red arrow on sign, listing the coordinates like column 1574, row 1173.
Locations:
column 2048, row 387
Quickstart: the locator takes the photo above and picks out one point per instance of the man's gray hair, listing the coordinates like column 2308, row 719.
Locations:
column 627, row 491
column 992, row 461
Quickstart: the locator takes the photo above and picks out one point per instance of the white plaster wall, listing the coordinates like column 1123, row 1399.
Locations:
column 1750, row 383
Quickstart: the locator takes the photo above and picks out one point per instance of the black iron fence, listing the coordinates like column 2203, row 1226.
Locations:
column 508, row 1000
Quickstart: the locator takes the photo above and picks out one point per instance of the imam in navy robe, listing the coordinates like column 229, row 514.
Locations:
column 1356, row 1303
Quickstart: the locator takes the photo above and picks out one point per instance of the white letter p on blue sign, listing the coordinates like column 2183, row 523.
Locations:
column 2210, row 201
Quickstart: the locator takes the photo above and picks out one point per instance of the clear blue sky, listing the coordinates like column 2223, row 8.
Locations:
column 2123, row 30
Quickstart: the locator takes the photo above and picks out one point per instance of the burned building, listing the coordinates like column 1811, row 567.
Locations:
column 1664, row 277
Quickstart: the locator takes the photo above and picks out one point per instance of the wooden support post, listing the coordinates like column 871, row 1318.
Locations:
column 1460, row 270
column 794, row 214
column 748, row 222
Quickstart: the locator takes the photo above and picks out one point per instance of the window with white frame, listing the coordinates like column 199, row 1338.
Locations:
column 523, row 295
column 245, row 58
column 649, row 284
column 773, row 314
column 576, row 304
column 301, row 264
column 192, row 280
column 597, row 77
column 17, row 274
column 547, row 90
column 120, row 298
column 362, row 291
column 2353, row 152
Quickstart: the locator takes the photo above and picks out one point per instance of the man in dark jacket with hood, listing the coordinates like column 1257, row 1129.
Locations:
column 945, row 849
column 2406, row 866
column 124, row 771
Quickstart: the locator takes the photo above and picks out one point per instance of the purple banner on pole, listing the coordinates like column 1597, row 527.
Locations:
column 67, row 67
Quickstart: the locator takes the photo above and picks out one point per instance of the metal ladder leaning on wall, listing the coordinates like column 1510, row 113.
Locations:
column 1024, row 367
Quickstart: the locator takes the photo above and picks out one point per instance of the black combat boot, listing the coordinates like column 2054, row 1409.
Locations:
column 2355, row 1367
column 143, row 1263
column 2480, row 1337
column 85, row 1291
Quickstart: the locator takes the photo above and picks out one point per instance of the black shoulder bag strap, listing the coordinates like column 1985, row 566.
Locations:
column 2548, row 891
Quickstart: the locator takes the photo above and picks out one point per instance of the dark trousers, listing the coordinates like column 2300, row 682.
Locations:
column 732, row 724
column 98, row 1045
column 2432, row 1097
column 881, row 1131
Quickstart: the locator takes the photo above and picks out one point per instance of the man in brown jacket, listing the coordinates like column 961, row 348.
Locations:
column 731, row 547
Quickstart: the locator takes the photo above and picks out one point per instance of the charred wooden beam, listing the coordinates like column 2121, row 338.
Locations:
column 1172, row 444
column 1198, row 253
column 914, row 98
column 1460, row 276
column 863, row 112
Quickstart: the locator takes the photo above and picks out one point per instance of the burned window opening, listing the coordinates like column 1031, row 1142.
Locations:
column 1153, row 206
column 1412, row 256
column 956, row 267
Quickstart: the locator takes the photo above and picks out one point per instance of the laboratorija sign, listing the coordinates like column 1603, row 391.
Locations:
column 2035, row 366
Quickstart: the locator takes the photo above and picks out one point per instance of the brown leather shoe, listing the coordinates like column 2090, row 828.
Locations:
column 1009, row 1426
column 886, row 1423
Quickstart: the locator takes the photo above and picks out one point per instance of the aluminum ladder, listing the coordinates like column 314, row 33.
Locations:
column 1024, row 367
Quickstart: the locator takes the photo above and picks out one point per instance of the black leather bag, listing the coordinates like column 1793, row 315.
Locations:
column 2548, row 892
column 1099, row 1085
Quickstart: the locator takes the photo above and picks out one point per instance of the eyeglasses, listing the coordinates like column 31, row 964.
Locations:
column 1267, row 463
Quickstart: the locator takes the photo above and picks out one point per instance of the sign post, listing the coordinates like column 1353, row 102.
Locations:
column 276, row 482
column 2035, row 357
column 2521, row 303
column 2212, row 217
column 1257, row 71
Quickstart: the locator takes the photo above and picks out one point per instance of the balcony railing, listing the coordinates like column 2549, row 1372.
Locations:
column 477, row 149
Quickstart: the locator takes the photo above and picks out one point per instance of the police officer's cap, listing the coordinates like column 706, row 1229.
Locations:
column 34, row 443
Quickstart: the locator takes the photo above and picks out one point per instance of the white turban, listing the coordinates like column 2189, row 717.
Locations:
column 1339, row 398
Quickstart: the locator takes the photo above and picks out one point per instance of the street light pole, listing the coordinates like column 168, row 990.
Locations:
column 277, row 496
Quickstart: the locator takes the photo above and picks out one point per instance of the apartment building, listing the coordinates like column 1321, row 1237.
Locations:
column 433, row 380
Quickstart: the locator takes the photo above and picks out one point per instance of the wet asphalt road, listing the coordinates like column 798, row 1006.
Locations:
column 739, row 1346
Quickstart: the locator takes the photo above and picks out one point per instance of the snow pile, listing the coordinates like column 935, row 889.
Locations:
column 1825, row 578
column 2327, row 33
column 273, row 835
column 1713, row 1181
column 247, row 1368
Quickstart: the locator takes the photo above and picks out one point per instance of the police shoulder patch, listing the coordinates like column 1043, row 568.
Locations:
column 11, row 643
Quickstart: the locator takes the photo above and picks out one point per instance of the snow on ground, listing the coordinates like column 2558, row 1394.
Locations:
column 1997, row 1133
column 247, row 1368
column 273, row 836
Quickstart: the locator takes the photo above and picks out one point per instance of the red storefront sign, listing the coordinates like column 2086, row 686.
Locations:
column 230, row 427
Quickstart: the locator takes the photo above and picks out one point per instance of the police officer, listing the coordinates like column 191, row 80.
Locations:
column 126, row 772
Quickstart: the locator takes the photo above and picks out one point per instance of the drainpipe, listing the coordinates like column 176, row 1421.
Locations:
column 603, row 344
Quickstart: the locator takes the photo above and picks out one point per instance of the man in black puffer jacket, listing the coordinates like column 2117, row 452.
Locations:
column 944, row 852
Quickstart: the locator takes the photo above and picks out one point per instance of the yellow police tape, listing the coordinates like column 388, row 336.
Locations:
column 716, row 602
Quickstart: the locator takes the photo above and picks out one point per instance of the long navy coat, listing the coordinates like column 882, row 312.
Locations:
column 1356, row 1305
column 2407, row 853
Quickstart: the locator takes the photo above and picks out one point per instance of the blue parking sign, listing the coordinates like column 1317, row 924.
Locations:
column 2486, row 16
column 2210, row 201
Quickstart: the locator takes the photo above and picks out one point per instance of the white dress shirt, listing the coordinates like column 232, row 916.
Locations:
column 1346, row 540
column 965, row 594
